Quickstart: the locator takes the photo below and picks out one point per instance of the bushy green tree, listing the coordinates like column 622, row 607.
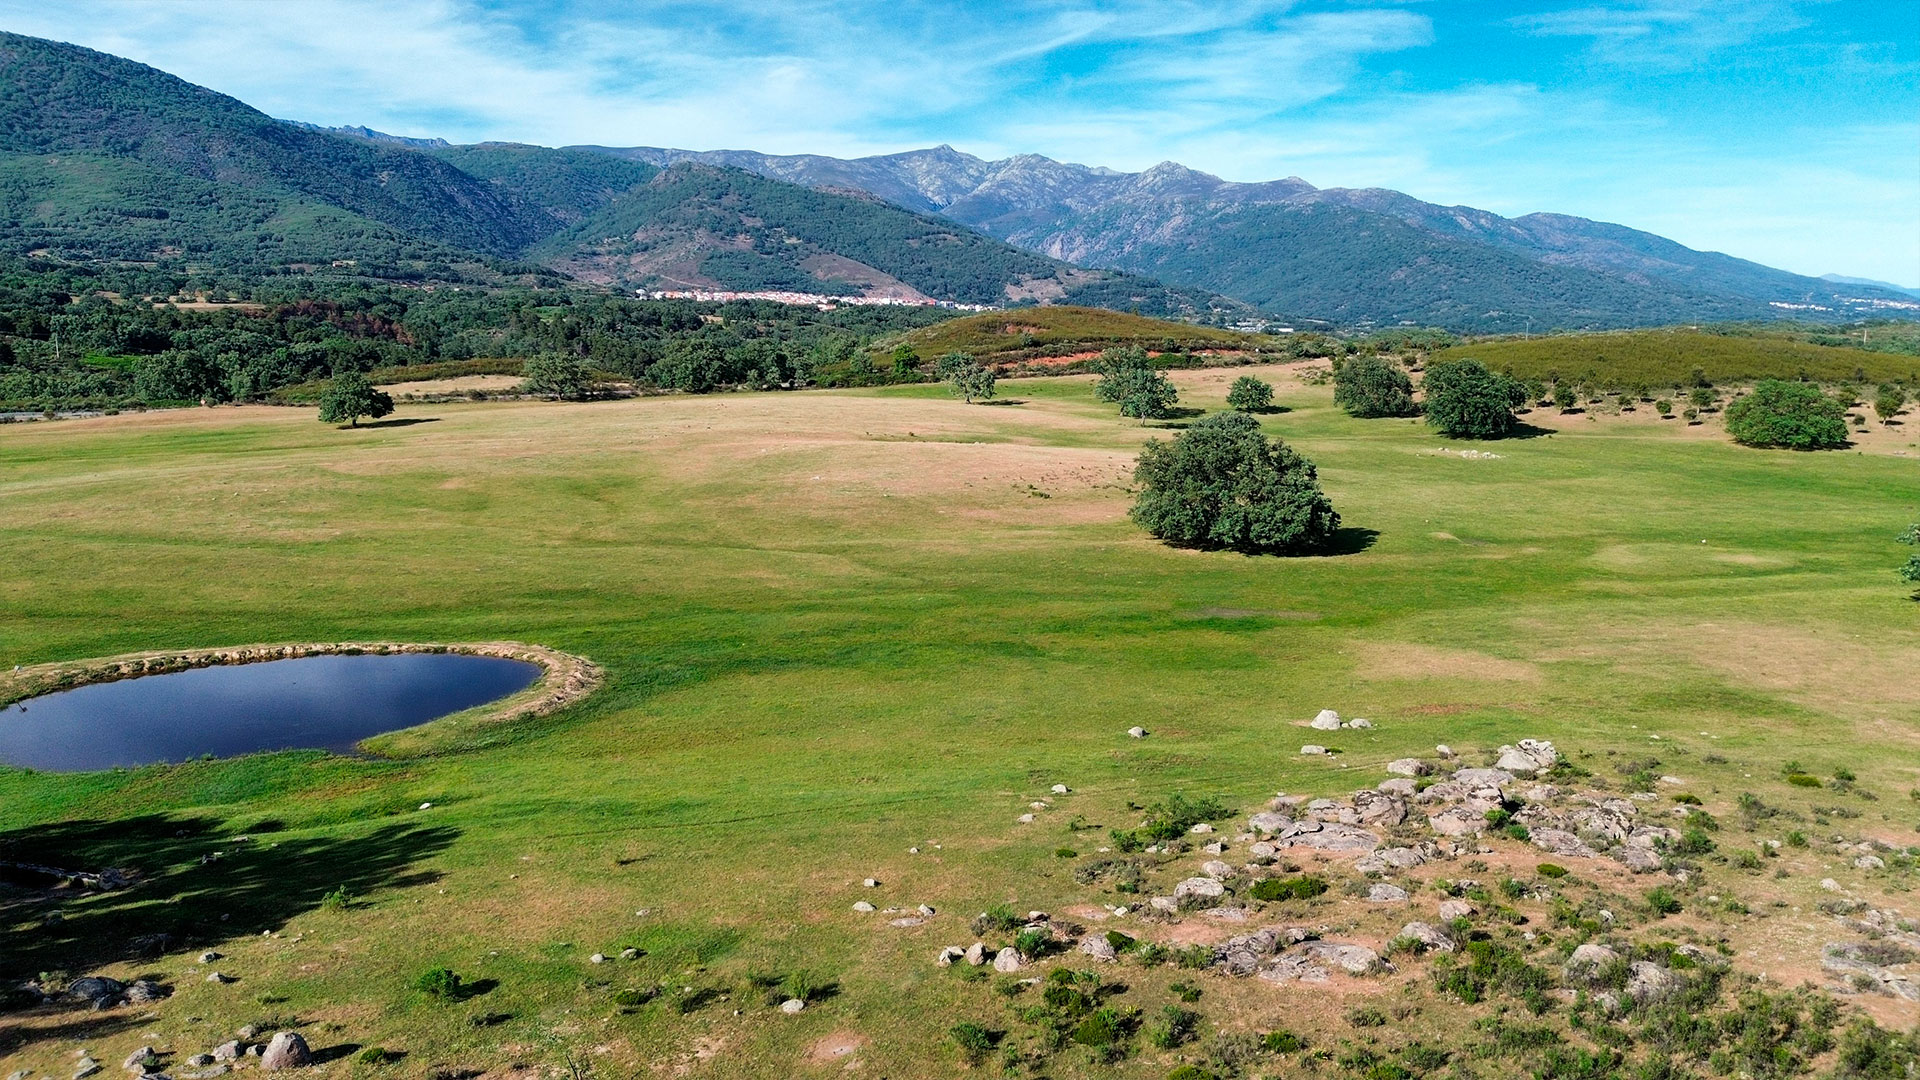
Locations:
column 905, row 360
column 1466, row 401
column 1249, row 394
column 349, row 396
column 1563, row 398
column 1224, row 484
column 556, row 375
column 971, row 380
column 1910, row 571
column 1368, row 386
column 178, row 375
column 1128, row 379
column 1794, row 415
column 1888, row 402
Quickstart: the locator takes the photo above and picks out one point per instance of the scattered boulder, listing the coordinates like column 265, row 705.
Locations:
column 1649, row 982
column 907, row 921
column 227, row 1051
column 1850, row 961
column 871, row 883
column 1430, row 937
column 96, row 990
column 1007, row 959
column 1588, row 959
column 1215, row 868
column 597, row 958
column 145, row 992
column 1327, row 720
column 1378, row 809
column 1359, row 723
column 1481, row 778
column 1531, row 756
column 1386, row 893
column 1313, row 750
column 1269, row 821
column 791, row 1006
column 1408, row 766
column 948, row 955
column 1640, row 860
column 1444, row 751
column 1393, row 858
column 1327, row 836
column 200, row 1061
column 1870, row 862
column 287, row 1050
column 1457, row 821
column 1353, row 959
column 1557, row 842
column 1097, row 946
column 1402, row 786
column 1455, row 909
column 210, row 956
column 139, row 1060
column 1136, row 733
column 1061, row 789
column 220, row 978
column 1163, row 905
column 976, row 954
column 1201, row 829
column 1199, row 886
column 629, row 954
column 84, row 1068
column 863, row 907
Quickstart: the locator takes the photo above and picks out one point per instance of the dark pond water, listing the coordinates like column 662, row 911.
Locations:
column 319, row 702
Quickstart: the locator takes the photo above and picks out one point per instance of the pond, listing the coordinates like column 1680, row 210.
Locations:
column 311, row 702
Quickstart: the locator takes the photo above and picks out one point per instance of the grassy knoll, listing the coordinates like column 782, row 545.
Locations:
column 1062, row 330
column 837, row 626
column 1669, row 358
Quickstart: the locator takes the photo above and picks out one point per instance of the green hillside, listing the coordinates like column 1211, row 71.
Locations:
column 1674, row 356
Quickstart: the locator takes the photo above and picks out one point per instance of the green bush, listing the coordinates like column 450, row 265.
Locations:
column 378, row 1055
column 1794, row 415
column 1800, row 779
column 1303, row 887
column 1223, row 484
column 1191, row 1072
column 556, row 375
column 1128, row 379
column 1888, row 402
column 1106, row 1026
column 1248, row 394
column 1367, row 386
column 974, row 1041
column 1662, row 901
column 1466, row 401
column 1174, row 1027
column 1169, row 820
column 1283, row 1042
column 1551, row 870
column 439, row 982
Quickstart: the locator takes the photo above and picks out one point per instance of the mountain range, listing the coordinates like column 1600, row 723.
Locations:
column 107, row 162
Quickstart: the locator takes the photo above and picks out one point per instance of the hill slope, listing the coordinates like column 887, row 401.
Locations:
column 1395, row 257
column 1662, row 358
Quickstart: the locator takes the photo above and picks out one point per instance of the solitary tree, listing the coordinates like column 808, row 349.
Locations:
column 1367, row 386
column 1910, row 572
column 1224, row 484
column 1466, row 401
column 349, row 396
column 1563, row 398
column 1248, row 394
column 1128, row 379
column 556, row 375
column 1888, row 401
column 904, row 359
column 1794, row 415
column 971, row 380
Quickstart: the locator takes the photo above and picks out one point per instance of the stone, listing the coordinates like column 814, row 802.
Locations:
column 1386, row 893
column 1328, row 837
column 1478, row 778
column 1401, row 786
column 200, row 1061
column 1430, row 937
column 1163, row 905
column 976, row 954
column 1378, row 809
column 1061, row 789
column 247, row 1031
column 1007, row 959
column 1640, row 860
column 1408, row 766
column 1359, row 723
column 1830, row 885
column 629, row 954
column 95, row 989
column 1260, row 851
column 210, row 956
column 84, row 1068
column 1025, row 819
column 1269, row 821
column 1313, row 750
column 1455, row 909
column 139, row 1060
column 1215, row 848
column 1201, row 829
column 1215, row 868
column 1444, row 750
column 1327, row 720
column 925, row 910
column 145, row 992
column 1394, row 858
column 227, row 1051
column 1136, row 733
column 1530, row 757
column 256, row 1050
column 1649, row 982
column 19, row 1074
column 792, row 1006
column 220, row 977
column 287, row 1050
column 597, row 958
column 1870, row 862
column 863, row 907
column 948, row 955
column 1588, row 959
column 1353, row 959
column 1097, row 946
column 907, row 921
column 1456, row 821
column 1557, row 842
column 1199, row 886
column 871, row 883
column 1226, row 914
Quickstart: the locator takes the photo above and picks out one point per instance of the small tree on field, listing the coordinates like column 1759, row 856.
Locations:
column 1248, row 394
column 1224, row 484
column 1564, row 398
column 555, row 375
column 1794, row 415
column 971, row 380
column 349, row 396
column 1367, row 386
column 1665, row 407
column 1887, row 403
column 1128, row 379
column 1910, row 571
column 1702, row 397
column 904, row 359
column 1466, row 401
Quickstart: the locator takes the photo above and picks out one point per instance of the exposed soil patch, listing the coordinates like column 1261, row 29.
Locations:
column 838, row 1046
column 1409, row 661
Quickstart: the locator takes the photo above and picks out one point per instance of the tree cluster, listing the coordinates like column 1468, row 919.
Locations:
column 1222, row 483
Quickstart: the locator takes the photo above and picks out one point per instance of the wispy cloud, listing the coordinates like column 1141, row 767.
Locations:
column 1666, row 32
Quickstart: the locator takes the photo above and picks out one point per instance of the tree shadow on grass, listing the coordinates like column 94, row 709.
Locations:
column 1003, row 402
column 195, row 883
column 1349, row 541
column 405, row 421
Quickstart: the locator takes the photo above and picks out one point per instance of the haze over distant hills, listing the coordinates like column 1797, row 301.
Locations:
column 103, row 160
column 1346, row 254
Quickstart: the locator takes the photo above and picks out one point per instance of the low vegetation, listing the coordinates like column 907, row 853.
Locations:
column 1674, row 359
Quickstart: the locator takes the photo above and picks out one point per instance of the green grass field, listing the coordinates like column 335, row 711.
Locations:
column 840, row 625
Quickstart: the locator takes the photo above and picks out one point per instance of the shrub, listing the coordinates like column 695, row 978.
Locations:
column 1702, row 397
column 1283, row 1042
column 1665, row 407
column 337, row 900
column 999, row 917
column 1173, row 1028
column 974, row 1041
column 1169, row 820
column 1563, row 398
column 1551, row 870
column 1105, row 1027
column 1794, row 415
column 1303, row 887
column 1121, row 942
column 1800, row 779
column 1065, row 853
column 1033, row 942
column 1366, row 1016
column 555, row 375
column 1662, row 901
column 1248, row 394
column 1224, row 484
column 1694, row 841
column 1367, row 386
column 1466, row 401
column 1191, row 1072
column 440, row 983
column 1887, row 403
column 379, row 1055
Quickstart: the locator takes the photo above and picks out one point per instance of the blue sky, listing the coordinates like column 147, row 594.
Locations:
column 1786, row 131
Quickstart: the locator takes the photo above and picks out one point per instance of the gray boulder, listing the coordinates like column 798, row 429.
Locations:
column 1455, row 909
column 95, row 989
column 1408, row 766
column 1478, row 778
column 791, row 1006
column 1097, row 946
column 1588, row 959
column 1556, row 842
column 227, row 1051
column 1199, row 886
column 1649, row 982
column 1328, row 720
column 1269, row 821
column 1313, row 750
column 1430, row 937
column 1216, row 869
column 1007, row 959
column 287, row 1050
column 1386, row 893
column 1531, row 756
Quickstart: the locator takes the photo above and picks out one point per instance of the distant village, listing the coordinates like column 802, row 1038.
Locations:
column 819, row 300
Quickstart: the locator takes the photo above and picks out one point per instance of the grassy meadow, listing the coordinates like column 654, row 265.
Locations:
column 840, row 625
